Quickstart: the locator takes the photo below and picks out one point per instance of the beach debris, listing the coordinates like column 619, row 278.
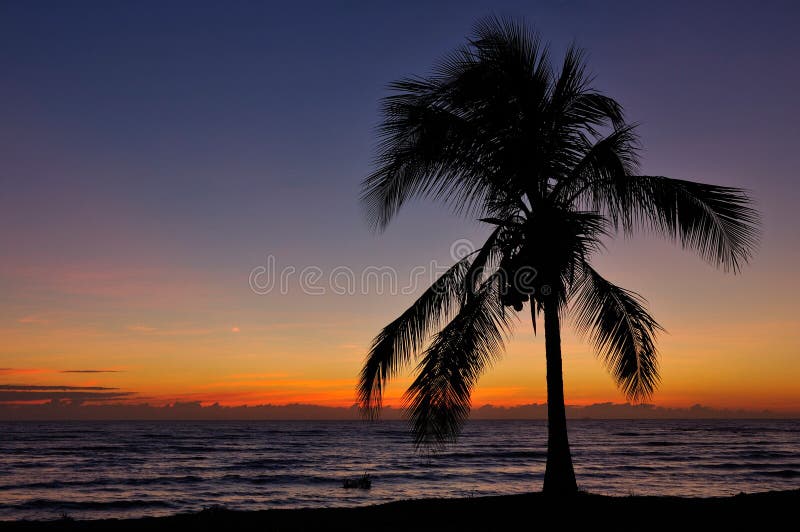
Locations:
column 363, row 483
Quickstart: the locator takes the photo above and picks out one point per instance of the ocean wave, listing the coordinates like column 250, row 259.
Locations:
column 58, row 504
column 261, row 463
column 102, row 482
column 742, row 465
column 783, row 473
column 489, row 455
column 126, row 468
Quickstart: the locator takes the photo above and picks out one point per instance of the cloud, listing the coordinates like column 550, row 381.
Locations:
column 27, row 371
column 90, row 371
column 62, row 388
column 141, row 328
column 110, row 280
column 77, row 395
column 173, row 331
column 238, row 376
column 33, row 320
column 350, row 346
column 23, row 396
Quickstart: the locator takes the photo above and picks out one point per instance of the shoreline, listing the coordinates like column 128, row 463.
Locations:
column 503, row 512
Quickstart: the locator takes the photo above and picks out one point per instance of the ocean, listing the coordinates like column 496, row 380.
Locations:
column 95, row 470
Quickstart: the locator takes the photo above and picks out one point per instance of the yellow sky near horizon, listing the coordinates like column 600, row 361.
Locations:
column 311, row 352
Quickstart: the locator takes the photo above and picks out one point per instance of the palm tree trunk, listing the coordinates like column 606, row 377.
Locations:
column 559, row 477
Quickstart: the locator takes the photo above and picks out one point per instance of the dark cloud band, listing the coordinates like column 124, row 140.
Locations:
column 32, row 387
column 89, row 371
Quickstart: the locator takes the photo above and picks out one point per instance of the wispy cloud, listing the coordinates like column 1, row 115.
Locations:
column 171, row 331
column 37, row 320
column 35, row 393
column 141, row 328
column 57, row 387
column 278, row 381
column 238, row 376
column 107, row 280
column 22, row 396
column 90, row 371
column 351, row 346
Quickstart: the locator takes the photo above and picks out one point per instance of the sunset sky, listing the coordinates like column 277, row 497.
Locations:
column 151, row 157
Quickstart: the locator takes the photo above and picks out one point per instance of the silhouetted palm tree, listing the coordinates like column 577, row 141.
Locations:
column 496, row 133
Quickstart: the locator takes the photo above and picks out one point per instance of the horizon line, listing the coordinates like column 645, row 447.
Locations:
column 196, row 411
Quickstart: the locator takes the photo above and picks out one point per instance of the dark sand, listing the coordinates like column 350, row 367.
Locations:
column 763, row 511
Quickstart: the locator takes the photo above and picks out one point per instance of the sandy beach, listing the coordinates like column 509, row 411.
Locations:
column 765, row 510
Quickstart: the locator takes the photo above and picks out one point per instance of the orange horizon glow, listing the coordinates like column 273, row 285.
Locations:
column 161, row 350
column 167, row 376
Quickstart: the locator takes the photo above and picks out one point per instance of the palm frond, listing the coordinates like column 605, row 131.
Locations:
column 438, row 401
column 511, row 45
column 456, row 135
column 590, row 183
column 718, row 222
column 622, row 331
column 397, row 343
column 420, row 153
column 575, row 103
column 485, row 257
column 598, row 109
